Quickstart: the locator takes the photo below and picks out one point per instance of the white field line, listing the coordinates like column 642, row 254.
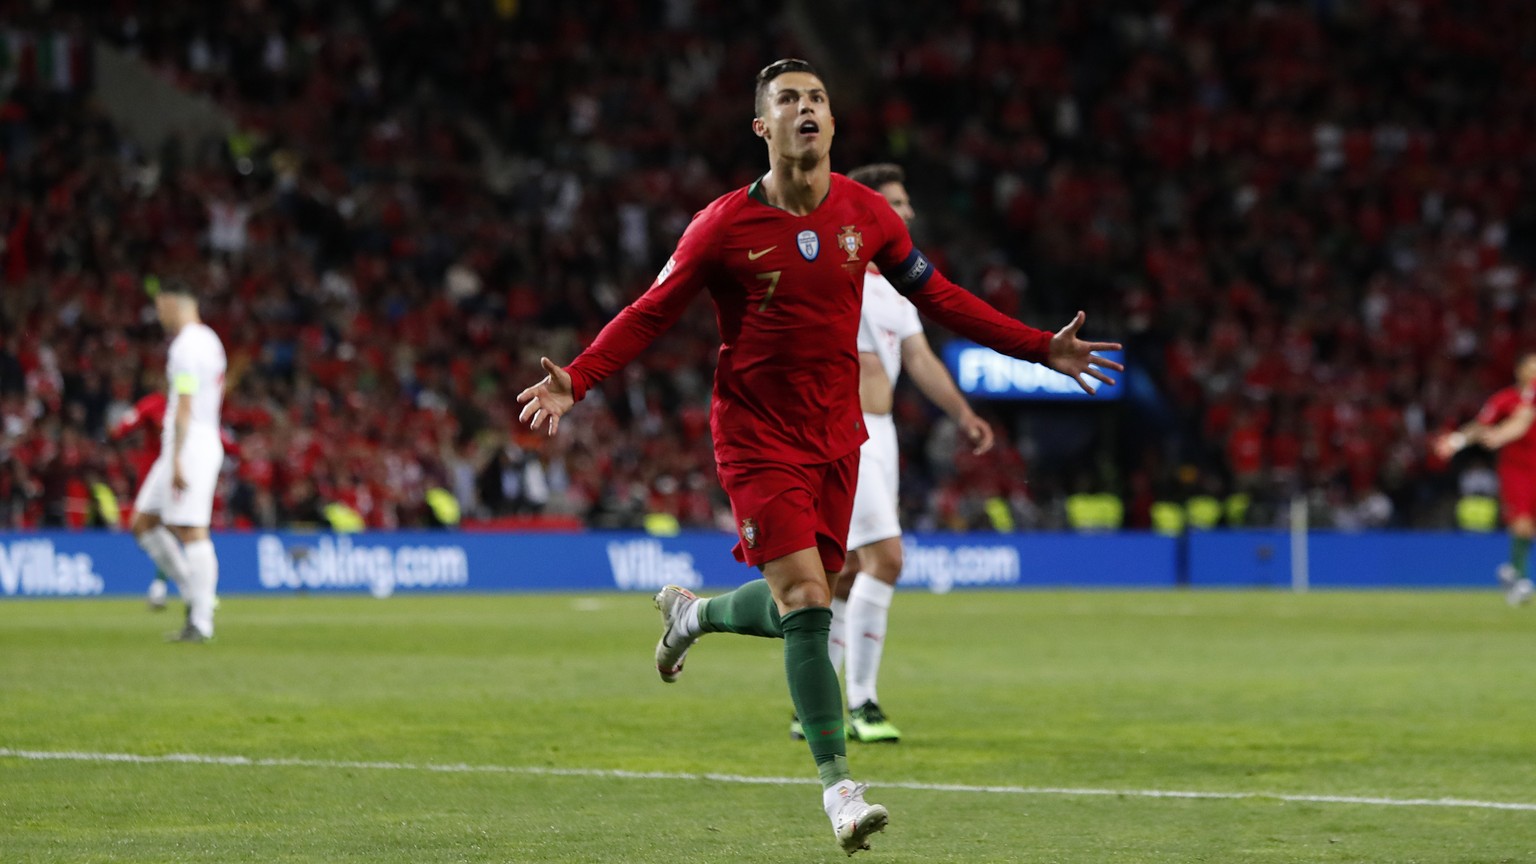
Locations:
column 616, row 774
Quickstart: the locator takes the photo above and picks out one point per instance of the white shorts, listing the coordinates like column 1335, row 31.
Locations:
column 876, row 510
column 202, row 457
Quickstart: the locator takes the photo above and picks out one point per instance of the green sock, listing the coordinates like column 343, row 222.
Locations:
column 749, row 610
column 1519, row 554
column 814, row 689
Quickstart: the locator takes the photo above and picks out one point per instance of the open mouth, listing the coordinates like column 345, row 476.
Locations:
column 809, row 127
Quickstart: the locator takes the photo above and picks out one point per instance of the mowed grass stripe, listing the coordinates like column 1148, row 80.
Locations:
column 619, row 774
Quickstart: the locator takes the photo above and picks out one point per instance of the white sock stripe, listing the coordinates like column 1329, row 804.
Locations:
column 620, row 774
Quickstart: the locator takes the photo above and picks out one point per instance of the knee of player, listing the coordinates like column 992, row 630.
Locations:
column 804, row 595
column 887, row 561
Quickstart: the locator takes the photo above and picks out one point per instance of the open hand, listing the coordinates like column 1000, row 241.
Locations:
column 1073, row 357
column 548, row 399
column 1449, row 445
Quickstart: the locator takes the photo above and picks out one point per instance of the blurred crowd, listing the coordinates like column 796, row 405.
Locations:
column 1310, row 222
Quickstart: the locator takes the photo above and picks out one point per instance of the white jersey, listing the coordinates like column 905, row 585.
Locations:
column 195, row 371
column 885, row 321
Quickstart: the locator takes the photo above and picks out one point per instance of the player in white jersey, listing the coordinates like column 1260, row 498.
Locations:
column 890, row 337
column 175, row 504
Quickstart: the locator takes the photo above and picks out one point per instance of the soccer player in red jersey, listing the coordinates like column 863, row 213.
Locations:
column 1505, row 425
column 147, row 414
column 784, row 259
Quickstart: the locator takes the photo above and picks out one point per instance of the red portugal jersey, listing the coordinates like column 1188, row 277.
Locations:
column 1519, row 454
column 787, row 291
column 147, row 414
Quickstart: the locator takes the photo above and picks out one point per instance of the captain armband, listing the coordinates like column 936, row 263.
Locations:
column 912, row 273
column 185, row 383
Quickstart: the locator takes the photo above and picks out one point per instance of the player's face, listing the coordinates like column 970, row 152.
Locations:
column 896, row 195
column 796, row 118
column 173, row 310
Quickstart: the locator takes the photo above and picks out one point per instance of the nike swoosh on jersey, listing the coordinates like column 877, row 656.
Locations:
column 753, row 256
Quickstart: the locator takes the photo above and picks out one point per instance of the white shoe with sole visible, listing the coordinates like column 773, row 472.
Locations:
column 853, row 818
column 1517, row 591
column 672, row 648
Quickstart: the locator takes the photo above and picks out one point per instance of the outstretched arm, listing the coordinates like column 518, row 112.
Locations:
column 1490, row 435
column 968, row 315
column 623, row 338
column 959, row 310
column 1510, row 429
column 928, row 373
column 143, row 413
column 620, row 342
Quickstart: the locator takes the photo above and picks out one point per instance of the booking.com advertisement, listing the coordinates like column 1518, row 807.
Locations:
column 91, row 564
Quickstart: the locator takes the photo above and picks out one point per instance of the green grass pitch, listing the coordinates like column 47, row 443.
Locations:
column 534, row 729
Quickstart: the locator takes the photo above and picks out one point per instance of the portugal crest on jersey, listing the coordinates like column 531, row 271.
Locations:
column 809, row 243
column 852, row 241
column 749, row 526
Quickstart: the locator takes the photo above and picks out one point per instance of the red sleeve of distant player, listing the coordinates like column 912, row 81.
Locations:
column 148, row 412
column 1498, row 407
column 622, row 340
column 947, row 303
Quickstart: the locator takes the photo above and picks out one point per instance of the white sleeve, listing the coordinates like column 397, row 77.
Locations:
column 176, row 357
column 869, row 343
column 180, row 370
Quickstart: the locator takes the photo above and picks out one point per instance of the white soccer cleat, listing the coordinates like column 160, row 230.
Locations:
column 1508, row 576
column 672, row 648
column 155, row 598
column 853, row 818
column 1519, row 593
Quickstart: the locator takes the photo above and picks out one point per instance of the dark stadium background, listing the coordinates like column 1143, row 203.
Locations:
column 1310, row 222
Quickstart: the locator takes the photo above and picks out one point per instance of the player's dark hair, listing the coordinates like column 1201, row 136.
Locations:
column 877, row 175
column 177, row 286
column 774, row 70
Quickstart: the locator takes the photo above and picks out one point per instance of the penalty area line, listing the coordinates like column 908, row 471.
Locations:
column 620, row 774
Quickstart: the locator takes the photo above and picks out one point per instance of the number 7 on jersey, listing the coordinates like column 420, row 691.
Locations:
column 772, row 278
